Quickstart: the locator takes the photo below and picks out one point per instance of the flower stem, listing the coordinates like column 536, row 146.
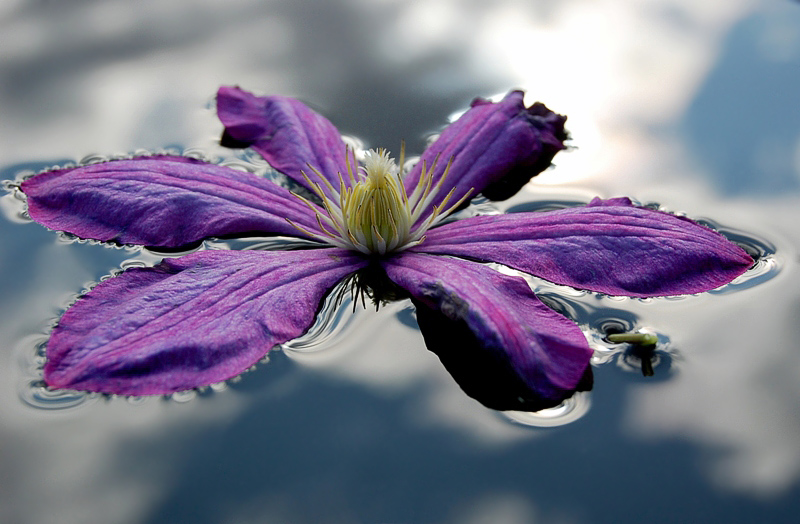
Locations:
column 641, row 339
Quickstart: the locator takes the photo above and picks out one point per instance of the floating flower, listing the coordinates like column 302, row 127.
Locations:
column 208, row 316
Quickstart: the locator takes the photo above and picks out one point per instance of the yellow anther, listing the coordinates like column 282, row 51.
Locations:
column 374, row 213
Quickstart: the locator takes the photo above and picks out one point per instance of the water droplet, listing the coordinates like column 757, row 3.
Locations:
column 182, row 396
column 218, row 387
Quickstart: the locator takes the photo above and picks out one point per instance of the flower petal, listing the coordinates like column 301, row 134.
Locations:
column 289, row 135
column 543, row 355
column 166, row 201
column 608, row 246
column 495, row 148
column 189, row 321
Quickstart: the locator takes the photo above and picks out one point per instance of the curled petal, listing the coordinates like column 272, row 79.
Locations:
column 164, row 201
column 189, row 321
column 608, row 246
column 289, row 135
column 495, row 148
column 491, row 325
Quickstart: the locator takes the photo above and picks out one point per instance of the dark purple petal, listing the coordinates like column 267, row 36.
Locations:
column 288, row 134
column 542, row 349
column 608, row 246
column 495, row 148
column 165, row 201
column 190, row 321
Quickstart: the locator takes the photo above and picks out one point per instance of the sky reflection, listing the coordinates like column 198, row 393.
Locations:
column 690, row 104
column 744, row 124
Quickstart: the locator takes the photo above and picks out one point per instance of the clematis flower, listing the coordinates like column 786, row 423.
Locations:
column 208, row 316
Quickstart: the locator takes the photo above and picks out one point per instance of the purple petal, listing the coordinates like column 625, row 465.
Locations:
column 190, row 321
column 164, row 201
column 288, row 134
column 608, row 246
column 494, row 148
column 545, row 350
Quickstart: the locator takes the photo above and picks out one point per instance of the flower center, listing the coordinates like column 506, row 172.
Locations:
column 374, row 213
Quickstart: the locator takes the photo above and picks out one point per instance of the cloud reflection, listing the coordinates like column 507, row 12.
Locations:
column 737, row 395
column 81, row 76
column 744, row 124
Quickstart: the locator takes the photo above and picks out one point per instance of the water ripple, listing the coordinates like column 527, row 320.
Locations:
column 335, row 317
column 32, row 390
column 36, row 394
column 767, row 263
column 565, row 413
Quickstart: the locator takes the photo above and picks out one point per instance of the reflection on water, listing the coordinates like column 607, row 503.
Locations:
column 569, row 411
column 685, row 103
column 338, row 315
column 755, row 75
column 32, row 389
column 341, row 317
column 767, row 262
column 340, row 312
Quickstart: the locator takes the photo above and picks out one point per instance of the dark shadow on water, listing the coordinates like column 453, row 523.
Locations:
column 331, row 451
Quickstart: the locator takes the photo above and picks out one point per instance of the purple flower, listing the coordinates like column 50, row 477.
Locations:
column 208, row 316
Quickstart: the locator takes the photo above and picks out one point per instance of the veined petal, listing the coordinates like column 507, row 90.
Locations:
column 495, row 148
column 165, row 201
column 289, row 135
column 190, row 321
column 496, row 320
column 608, row 246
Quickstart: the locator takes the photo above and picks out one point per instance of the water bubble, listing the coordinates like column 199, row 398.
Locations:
column 219, row 387
column 182, row 396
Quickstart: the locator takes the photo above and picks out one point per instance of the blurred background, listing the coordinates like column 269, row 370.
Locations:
column 687, row 104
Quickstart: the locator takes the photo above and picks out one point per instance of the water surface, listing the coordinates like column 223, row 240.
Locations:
column 677, row 105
